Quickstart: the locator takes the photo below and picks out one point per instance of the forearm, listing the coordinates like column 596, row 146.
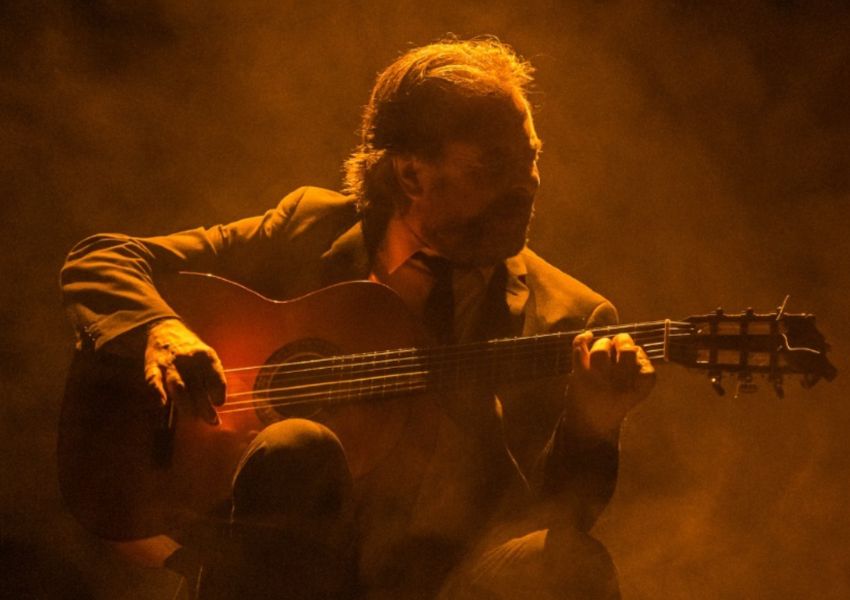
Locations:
column 607, row 381
column 578, row 468
column 109, row 280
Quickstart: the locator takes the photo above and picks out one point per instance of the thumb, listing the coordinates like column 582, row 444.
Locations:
column 153, row 377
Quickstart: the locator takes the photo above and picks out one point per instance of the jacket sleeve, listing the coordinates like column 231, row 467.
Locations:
column 576, row 471
column 108, row 281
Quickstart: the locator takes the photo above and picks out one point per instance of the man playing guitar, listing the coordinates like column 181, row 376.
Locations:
column 485, row 493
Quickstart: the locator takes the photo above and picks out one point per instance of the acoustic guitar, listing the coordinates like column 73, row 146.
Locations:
column 130, row 468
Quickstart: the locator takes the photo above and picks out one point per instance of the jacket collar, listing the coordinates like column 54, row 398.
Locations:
column 349, row 258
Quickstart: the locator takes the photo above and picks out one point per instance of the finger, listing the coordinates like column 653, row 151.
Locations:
column 645, row 380
column 643, row 361
column 200, row 398
column 600, row 356
column 626, row 361
column 174, row 385
column 216, row 382
column 153, row 377
column 626, row 349
column 203, row 373
column 625, row 369
column 581, row 351
column 203, row 404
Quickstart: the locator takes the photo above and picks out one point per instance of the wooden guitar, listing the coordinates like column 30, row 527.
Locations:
column 352, row 357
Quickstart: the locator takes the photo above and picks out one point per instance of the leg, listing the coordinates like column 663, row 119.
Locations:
column 291, row 520
column 543, row 565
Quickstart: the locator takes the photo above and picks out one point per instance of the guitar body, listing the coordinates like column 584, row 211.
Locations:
column 125, row 476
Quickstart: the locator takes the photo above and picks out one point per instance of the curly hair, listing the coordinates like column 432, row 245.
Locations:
column 428, row 95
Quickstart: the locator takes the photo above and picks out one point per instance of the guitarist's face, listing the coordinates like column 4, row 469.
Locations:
column 474, row 202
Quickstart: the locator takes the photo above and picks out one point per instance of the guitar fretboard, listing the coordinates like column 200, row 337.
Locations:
column 393, row 373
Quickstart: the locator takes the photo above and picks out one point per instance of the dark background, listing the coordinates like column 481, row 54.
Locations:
column 695, row 156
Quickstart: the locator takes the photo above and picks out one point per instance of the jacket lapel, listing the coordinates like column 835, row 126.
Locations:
column 516, row 290
column 503, row 312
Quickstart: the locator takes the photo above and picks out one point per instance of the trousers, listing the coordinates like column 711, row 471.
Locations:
column 292, row 534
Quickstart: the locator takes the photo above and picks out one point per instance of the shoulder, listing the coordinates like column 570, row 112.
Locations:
column 562, row 301
column 308, row 220
column 310, row 204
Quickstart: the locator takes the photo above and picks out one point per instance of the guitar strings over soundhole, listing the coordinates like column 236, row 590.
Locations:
column 288, row 386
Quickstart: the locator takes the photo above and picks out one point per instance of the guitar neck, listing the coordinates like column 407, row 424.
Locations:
column 487, row 365
column 511, row 360
column 743, row 344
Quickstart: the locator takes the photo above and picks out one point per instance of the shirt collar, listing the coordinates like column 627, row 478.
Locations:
column 400, row 243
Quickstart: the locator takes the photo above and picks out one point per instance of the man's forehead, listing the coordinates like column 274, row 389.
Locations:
column 501, row 122
column 503, row 148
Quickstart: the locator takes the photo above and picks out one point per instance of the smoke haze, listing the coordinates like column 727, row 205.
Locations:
column 695, row 156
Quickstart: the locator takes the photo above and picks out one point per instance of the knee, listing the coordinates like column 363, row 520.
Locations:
column 292, row 466
column 576, row 560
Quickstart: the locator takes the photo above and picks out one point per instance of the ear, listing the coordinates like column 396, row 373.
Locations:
column 408, row 174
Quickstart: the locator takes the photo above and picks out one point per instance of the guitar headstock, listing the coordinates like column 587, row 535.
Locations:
column 748, row 343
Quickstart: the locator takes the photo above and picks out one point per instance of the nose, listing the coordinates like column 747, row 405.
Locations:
column 527, row 179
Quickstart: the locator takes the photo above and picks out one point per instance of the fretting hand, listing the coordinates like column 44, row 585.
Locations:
column 608, row 379
column 179, row 366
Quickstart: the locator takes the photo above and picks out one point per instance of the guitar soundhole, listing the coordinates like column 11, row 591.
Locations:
column 293, row 381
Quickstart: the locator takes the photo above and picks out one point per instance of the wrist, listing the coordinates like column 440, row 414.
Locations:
column 592, row 421
column 132, row 343
column 161, row 323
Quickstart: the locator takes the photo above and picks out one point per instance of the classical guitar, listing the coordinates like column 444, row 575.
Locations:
column 128, row 469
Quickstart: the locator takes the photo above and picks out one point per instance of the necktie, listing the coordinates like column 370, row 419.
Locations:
column 438, row 313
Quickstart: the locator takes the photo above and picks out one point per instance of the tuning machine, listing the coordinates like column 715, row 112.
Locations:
column 809, row 380
column 745, row 384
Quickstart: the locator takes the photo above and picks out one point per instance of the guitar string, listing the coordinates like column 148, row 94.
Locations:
column 394, row 358
column 349, row 387
column 410, row 387
column 458, row 350
column 433, row 367
column 336, row 394
column 331, row 396
column 432, row 356
column 375, row 369
column 477, row 346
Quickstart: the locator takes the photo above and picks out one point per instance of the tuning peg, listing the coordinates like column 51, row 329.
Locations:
column 809, row 380
column 715, row 380
column 780, row 310
column 745, row 385
column 775, row 379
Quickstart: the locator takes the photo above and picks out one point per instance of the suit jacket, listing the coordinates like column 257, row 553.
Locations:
column 315, row 238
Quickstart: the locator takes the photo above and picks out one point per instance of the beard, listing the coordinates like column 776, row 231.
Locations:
column 490, row 237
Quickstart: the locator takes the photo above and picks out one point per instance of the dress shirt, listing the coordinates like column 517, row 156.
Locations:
column 396, row 266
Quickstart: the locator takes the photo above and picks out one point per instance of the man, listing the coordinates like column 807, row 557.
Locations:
column 440, row 195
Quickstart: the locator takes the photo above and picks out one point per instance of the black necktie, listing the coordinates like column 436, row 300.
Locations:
column 439, row 311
